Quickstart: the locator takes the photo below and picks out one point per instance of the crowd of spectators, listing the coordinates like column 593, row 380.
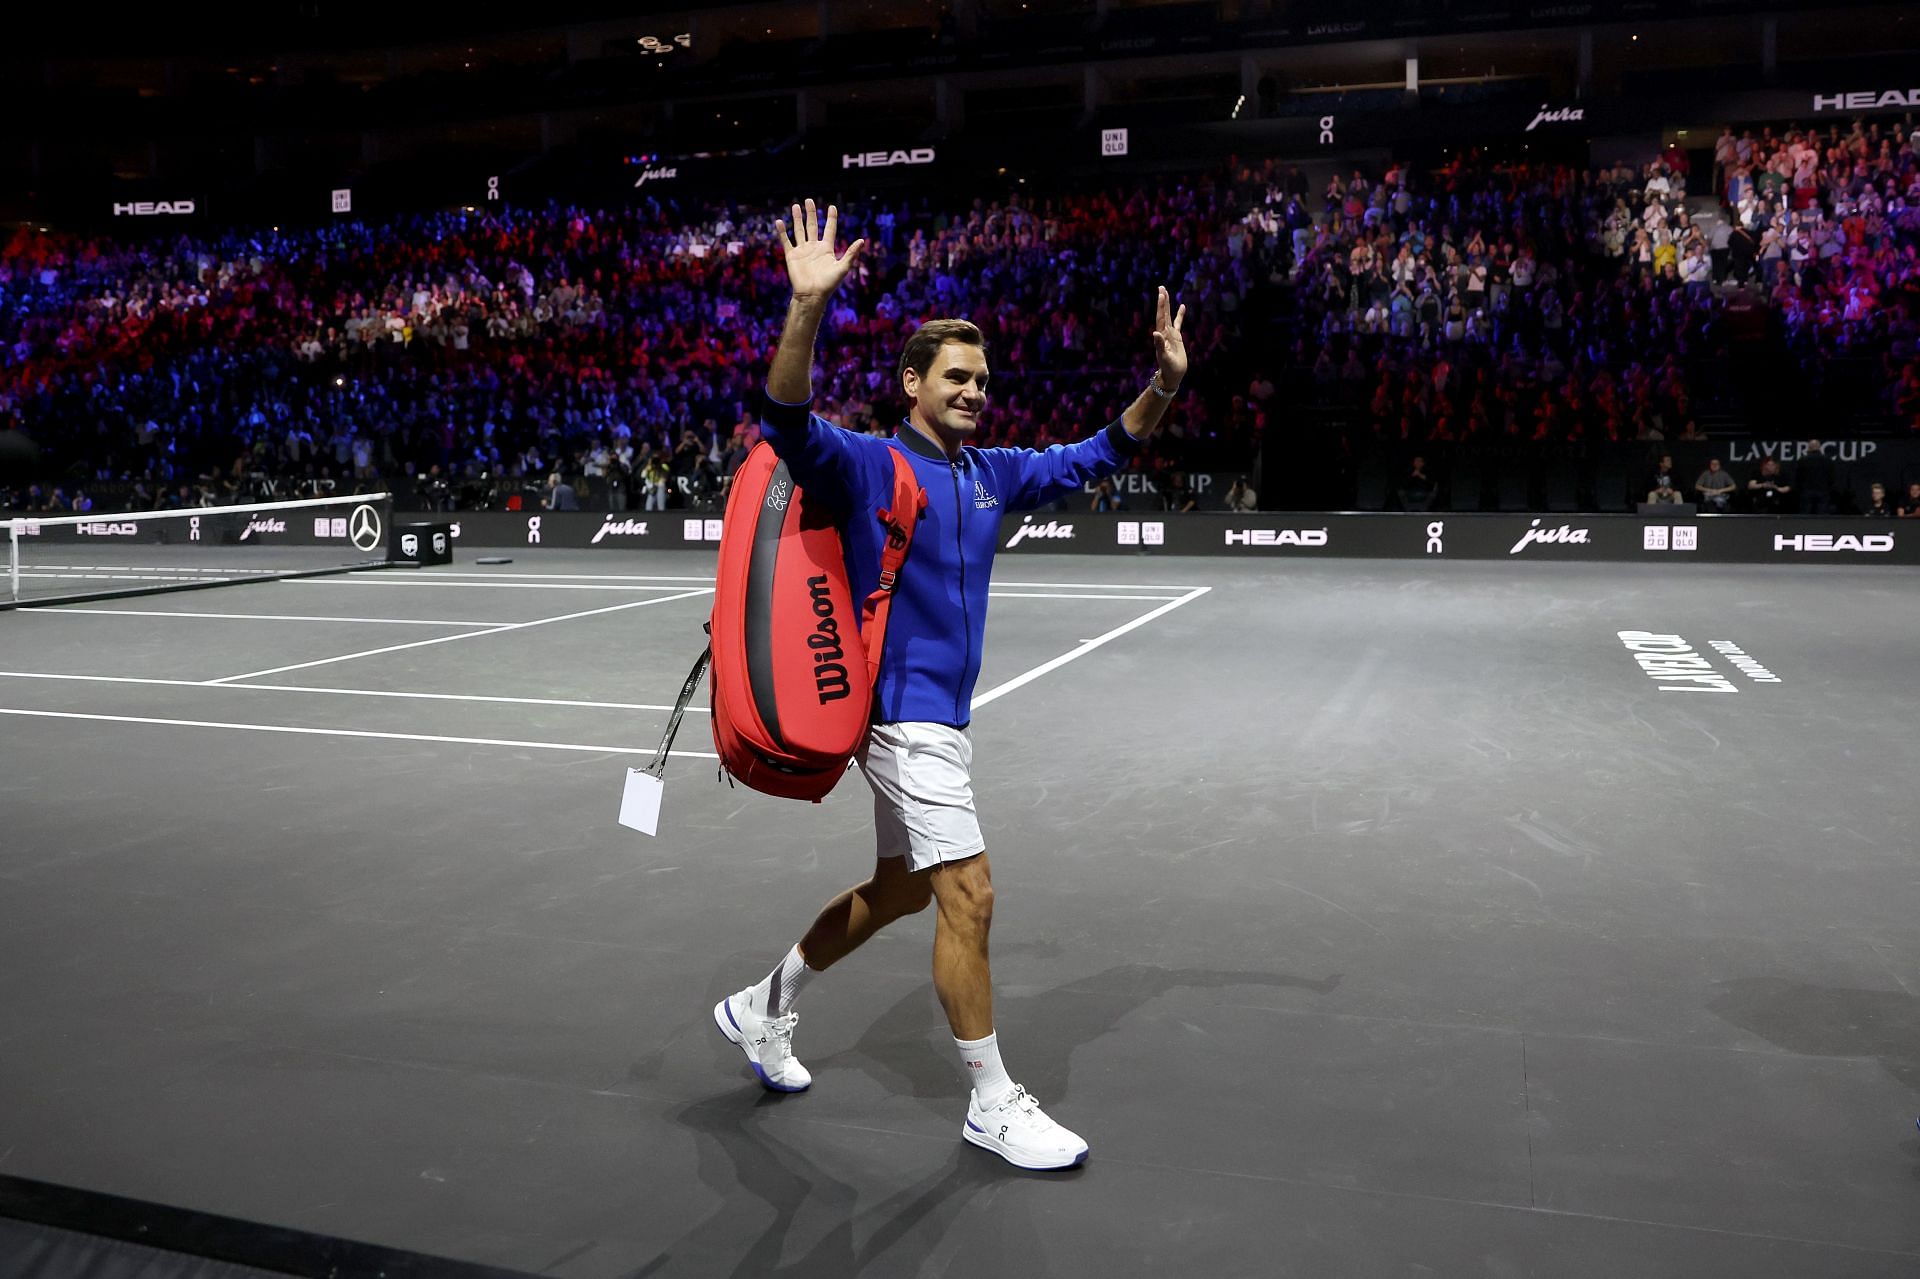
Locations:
column 471, row 358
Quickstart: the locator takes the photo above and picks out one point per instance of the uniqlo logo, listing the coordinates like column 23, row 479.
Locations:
column 1128, row 532
column 1653, row 537
column 1153, row 533
column 1686, row 539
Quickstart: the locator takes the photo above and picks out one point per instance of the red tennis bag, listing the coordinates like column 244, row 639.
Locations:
column 794, row 659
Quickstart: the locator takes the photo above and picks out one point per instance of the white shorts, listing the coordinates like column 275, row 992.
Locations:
column 922, row 779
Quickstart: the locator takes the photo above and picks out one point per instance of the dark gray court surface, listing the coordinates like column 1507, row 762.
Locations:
column 1368, row 918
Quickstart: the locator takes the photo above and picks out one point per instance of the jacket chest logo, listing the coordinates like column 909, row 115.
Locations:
column 981, row 498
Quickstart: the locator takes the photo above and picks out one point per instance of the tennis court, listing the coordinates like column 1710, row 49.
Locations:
column 1364, row 916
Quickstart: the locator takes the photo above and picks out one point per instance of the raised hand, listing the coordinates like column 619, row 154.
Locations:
column 1169, row 348
column 812, row 267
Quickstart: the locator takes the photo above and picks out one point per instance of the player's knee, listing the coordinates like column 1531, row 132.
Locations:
column 966, row 894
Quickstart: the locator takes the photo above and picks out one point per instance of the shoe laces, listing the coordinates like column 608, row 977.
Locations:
column 781, row 1028
column 1022, row 1100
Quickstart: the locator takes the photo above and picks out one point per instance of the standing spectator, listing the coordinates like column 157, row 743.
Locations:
column 1715, row 487
column 1417, row 490
column 1816, row 481
column 1105, row 498
column 1767, row 491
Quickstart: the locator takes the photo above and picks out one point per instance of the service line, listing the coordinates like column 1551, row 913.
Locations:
column 448, row 639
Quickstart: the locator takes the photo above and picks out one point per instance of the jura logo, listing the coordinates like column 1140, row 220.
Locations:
column 1052, row 529
column 152, row 208
column 1563, row 534
column 1872, row 543
column 1870, row 101
column 104, row 529
column 829, row 674
column 611, row 527
column 262, row 526
column 659, row 173
column 886, row 159
column 1277, row 537
column 1565, row 115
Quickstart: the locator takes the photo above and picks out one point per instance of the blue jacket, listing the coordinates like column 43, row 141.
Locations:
column 938, row 623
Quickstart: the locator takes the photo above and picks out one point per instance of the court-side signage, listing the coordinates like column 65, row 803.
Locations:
column 1514, row 539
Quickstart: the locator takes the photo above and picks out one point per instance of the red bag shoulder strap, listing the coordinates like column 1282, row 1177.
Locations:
column 899, row 518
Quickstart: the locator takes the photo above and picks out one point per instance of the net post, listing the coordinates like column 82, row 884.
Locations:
column 13, row 559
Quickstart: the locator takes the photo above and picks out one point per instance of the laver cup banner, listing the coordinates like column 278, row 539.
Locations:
column 1724, row 539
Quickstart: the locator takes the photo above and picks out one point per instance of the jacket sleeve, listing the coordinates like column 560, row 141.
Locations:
column 824, row 460
column 1030, row 479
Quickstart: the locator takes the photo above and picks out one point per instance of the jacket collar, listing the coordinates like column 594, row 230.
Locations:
column 918, row 443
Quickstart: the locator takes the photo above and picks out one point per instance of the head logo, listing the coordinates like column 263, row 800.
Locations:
column 363, row 527
column 1563, row 534
column 153, row 208
column 1051, row 530
column 611, row 527
column 1890, row 99
column 101, row 528
column 266, row 525
column 1276, row 537
column 1871, row 543
column 886, row 159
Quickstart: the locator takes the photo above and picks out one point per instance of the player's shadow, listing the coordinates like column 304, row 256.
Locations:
column 908, row 1047
column 1828, row 1021
column 739, row 1149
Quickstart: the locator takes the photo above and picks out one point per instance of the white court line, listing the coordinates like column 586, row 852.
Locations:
column 353, row 732
column 1046, row 595
column 496, row 586
column 1019, row 681
column 448, row 639
column 436, row 575
column 63, row 610
column 352, row 692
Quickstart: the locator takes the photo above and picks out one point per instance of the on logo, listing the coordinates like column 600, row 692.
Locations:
column 1436, row 531
column 533, row 530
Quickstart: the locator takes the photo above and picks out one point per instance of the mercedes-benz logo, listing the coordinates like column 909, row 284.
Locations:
column 365, row 527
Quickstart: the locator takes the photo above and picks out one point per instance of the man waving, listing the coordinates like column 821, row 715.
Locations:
column 918, row 754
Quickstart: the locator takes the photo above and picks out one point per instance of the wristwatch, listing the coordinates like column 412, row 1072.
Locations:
column 1153, row 384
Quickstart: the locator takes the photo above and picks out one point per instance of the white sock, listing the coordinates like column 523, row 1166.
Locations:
column 980, row 1058
column 778, row 989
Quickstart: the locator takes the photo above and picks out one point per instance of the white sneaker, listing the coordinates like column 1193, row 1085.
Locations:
column 1016, row 1129
column 767, row 1042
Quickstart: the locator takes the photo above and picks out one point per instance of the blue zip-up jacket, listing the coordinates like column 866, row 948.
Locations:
column 939, row 617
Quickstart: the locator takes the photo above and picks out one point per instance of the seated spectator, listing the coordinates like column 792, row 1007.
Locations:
column 1105, row 498
column 560, row 494
column 1241, row 498
column 1876, row 508
column 1910, row 504
column 1767, row 492
column 1714, row 488
column 1664, row 494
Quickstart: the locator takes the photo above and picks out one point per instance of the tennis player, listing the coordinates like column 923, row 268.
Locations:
column 918, row 754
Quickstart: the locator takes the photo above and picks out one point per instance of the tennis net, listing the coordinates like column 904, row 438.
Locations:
column 74, row 557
